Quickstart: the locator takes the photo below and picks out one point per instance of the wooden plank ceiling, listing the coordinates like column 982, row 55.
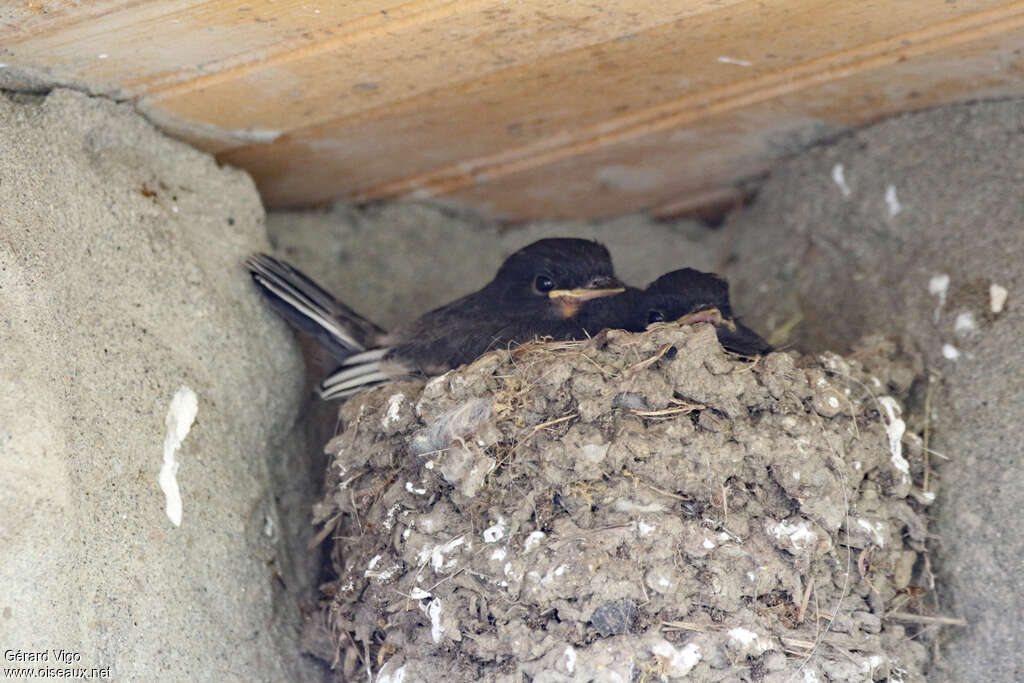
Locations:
column 524, row 108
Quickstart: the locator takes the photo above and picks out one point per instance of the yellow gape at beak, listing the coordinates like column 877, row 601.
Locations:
column 570, row 300
column 708, row 315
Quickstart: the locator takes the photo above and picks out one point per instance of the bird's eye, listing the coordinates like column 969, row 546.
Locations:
column 655, row 316
column 543, row 284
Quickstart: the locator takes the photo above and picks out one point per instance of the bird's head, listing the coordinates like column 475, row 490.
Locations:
column 687, row 296
column 554, row 279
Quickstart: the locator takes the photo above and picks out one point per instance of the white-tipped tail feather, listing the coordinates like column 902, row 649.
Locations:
column 366, row 356
column 308, row 307
column 358, row 371
column 332, row 388
column 361, row 371
column 304, row 297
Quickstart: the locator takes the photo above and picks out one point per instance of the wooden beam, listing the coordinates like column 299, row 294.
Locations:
column 530, row 108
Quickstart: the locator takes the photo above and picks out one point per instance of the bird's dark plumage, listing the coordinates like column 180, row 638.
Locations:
column 689, row 295
column 551, row 288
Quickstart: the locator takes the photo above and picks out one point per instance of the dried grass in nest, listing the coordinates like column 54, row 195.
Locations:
column 513, row 378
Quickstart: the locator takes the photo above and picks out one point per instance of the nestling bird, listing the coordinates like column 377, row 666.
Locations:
column 691, row 296
column 551, row 288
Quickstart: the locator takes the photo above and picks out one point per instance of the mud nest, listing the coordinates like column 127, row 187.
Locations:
column 631, row 508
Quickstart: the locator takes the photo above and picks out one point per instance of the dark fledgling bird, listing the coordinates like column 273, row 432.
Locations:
column 691, row 296
column 551, row 288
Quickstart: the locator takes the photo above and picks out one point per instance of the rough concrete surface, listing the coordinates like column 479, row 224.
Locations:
column 915, row 227
column 632, row 507
column 120, row 283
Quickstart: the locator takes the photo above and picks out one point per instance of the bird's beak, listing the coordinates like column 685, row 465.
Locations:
column 570, row 300
column 595, row 289
column 708, row 315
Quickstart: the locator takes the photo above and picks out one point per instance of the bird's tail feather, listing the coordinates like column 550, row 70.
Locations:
column 334, row 387
column 307, row 307
column 363, row 370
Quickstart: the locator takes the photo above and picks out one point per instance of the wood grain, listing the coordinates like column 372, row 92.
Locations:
column 527, row 109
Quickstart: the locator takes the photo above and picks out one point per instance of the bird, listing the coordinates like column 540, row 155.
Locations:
column 555, row 287
column 690, row 296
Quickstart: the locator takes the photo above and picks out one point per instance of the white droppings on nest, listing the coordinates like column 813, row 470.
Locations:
column 496, row 532
column 631, row 507
column 396, row 676
column 799, row 534
column 839, row 178
column 436, row 627
column 892, row 201
column 389, row 520
column 875, row 529
column 709, row 544
column 894, row 428
column 570, row 659
column 939, row 286
column 385, row 575
column 964, row 323
column 552, row 574
column 796, row 475
column 438, row 552
column 418, row 593
column 997, row 297
column 676, row 663
column 180, row 416
column 374, row 561
column 412, row 489
column 950, row 352
column 870, row 664
column 744, row 637
column 533, row 540
column 394, row 406
column 499, row 554
column 644, row 528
